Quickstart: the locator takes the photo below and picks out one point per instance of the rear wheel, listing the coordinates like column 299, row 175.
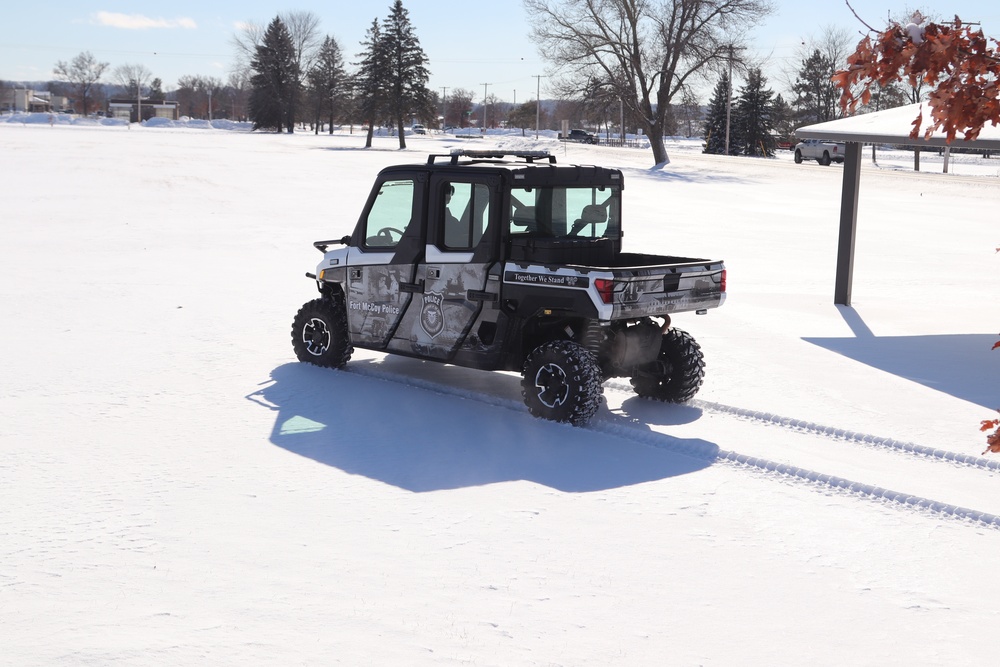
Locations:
column 561, row 381
column 319, row 333
column 677, row 373
column 825, row 160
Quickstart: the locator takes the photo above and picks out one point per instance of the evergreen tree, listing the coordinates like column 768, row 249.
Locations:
column 371, row 92
column 156, row 89
column 275, row 80
column 715, row 121
column 783, row 119
column 523, row 115
column 752, row 117
column 407, row 71
column 327, row 82
column 817, row 94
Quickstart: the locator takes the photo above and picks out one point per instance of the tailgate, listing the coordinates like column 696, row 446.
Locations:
column 652, row 291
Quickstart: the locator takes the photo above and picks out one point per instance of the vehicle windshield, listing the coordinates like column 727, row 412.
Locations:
column 566, row 213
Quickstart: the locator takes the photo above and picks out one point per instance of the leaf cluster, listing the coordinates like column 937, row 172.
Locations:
column 955, row 60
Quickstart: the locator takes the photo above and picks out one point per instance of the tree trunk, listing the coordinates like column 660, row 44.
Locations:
column 402, row 133
column 655, row 134
column 371, row 133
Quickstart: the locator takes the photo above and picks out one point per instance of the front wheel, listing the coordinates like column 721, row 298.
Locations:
column 319, row 333
column 561, row 381
column 677, row 373
column 798, row 157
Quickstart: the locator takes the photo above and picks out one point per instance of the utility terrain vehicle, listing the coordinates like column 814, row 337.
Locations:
column 501, row 261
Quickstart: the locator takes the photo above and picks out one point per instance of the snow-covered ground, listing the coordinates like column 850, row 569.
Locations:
column 176, row 490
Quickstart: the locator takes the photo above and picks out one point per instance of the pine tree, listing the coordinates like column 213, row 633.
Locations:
column 407, row 71
column 156, row 89
column 715, row 121
column 753, row 117
column 782, row 119
column 327, row 82
column 275, row 81
column 370, row 80
column 817, row 94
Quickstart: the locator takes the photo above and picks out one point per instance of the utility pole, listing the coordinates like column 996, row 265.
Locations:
column 729, row 93
column 538, row 100
column 484, row 106
column 621, row 112
column 444, row 106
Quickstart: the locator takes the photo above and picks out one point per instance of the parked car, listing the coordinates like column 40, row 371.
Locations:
column 418, row 129
column 823, row 152
column 581, row 136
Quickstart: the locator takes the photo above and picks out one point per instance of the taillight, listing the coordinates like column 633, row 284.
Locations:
column 606, row 288
column 722, row 284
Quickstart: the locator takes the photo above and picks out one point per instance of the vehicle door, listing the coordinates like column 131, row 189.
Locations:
column 462, row 241
column 388, row 243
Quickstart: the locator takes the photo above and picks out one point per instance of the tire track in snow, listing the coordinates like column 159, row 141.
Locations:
column 710, row 452
column 833, row 432
column 788, row 471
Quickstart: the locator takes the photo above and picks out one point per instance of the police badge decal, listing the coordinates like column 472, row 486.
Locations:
column 431, row 315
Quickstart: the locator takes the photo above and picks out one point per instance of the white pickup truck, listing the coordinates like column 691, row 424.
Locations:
column 823, row 152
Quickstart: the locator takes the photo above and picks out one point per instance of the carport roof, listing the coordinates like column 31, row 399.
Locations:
column 892, row 126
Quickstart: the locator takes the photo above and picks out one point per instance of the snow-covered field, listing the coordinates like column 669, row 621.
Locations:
column 176, row 490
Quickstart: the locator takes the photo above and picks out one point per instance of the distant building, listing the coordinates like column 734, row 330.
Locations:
column 33, row 101
column 128, row 109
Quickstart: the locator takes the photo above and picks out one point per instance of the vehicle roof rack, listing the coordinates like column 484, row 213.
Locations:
column 476, row 155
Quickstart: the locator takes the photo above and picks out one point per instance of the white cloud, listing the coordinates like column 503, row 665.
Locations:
column 140, row 22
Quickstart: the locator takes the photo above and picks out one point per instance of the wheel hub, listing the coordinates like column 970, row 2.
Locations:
column 551, row 384
column 316, row 336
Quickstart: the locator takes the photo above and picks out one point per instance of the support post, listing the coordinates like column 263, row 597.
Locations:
column 848, row 224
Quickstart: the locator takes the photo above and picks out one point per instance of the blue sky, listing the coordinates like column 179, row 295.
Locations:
column 468, row 44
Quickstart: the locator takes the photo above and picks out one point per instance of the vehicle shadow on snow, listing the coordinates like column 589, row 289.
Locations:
column 960, row 365
column 430, row 438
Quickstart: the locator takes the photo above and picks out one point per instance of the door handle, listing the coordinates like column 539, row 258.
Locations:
column 478, row 295
column 412, row 287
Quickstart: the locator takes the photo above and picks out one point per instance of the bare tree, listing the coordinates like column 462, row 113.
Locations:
column 303, row 27
column 131, row 79
column 195, row 95
column 239, row 93
column 645, row 50
column 245, row 41
column 688, row 112
column 82, row 73
column 458, row 109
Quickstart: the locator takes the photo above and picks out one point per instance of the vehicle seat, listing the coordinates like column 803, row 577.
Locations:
column 592, row 214
column 524, row 217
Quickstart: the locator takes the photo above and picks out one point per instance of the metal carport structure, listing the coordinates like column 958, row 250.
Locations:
column 891, row 126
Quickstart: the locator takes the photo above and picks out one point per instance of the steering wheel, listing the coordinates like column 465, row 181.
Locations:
column 387, row 232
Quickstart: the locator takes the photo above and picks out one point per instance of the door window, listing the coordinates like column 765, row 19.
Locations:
column 390, row 214
column 466, row 214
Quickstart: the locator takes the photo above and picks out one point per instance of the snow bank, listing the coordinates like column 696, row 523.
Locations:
column 198, row 124
column 57, row 119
